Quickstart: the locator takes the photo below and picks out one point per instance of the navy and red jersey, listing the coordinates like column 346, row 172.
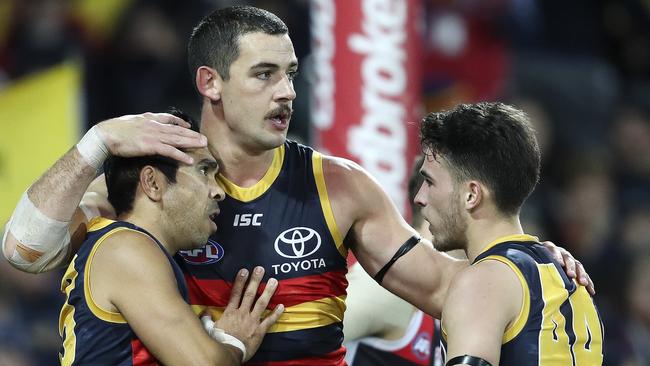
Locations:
column 92, row 335
column 285, row 224
column 558, row 323
column 419, row 346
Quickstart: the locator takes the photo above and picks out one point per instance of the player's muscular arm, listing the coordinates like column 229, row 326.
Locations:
column 47, row 218
column 130, row 275
column 483, row 301
column 375, row 231
column 55, row 196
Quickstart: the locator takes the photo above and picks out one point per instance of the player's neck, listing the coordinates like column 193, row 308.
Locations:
column 241, row 164
column 480, row 233
column 152, row 225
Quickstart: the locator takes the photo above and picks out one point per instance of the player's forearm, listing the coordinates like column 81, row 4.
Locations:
column 214, row 354
column 37, row 236
column 58, row 192
column 422, row 277
column 178, row 338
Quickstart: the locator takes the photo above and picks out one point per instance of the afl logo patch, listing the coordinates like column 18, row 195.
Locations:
column 422, row 346
column 212, row 252
column 297, row 242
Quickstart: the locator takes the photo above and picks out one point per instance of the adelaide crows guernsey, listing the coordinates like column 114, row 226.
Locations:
column 92, row 335
column 420, row 346
column 285, row 224
column 559, row 323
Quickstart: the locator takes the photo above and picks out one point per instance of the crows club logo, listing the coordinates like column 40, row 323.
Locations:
column 422, row 346
column 212, row 252
column 297, row 242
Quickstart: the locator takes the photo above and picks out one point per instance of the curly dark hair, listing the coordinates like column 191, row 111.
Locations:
column 493, row 143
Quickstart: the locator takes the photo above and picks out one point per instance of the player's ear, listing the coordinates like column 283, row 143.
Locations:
column 473, row 195
column 152, row 183
column 209, row 83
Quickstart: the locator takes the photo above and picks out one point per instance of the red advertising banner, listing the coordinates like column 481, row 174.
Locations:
column 366, row 99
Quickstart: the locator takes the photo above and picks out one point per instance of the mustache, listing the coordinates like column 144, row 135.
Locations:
column 283, row 109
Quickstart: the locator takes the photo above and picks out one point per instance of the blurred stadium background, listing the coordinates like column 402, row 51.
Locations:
column 580, row 68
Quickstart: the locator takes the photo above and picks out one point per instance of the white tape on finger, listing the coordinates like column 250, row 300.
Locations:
column 221, row 336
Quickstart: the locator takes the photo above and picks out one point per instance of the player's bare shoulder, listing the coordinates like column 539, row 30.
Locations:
column 347, row 180
column 487, row 284
column 132, row 249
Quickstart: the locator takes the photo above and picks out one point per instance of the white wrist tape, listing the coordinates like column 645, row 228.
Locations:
column 38, row 232
column 221, row 336
column 92, row 148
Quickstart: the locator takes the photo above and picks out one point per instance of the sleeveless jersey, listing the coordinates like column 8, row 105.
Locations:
column 92, row 335
column 420, row 346
column 285, row 224
column 559, row 323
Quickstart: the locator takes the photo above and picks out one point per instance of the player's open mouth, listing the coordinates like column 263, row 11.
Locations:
column 279, row 118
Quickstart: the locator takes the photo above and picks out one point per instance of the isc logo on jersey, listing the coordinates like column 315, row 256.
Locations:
column 248, row 219
column 296, row 244
column 212, row 252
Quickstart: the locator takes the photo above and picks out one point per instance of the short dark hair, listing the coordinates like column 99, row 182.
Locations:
column 215, row 40
column 123, row 174
column 493, row 143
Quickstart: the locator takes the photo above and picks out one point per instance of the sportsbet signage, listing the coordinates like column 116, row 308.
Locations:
column 366, row 90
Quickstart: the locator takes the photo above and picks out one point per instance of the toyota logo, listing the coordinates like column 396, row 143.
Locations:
column 297, row 242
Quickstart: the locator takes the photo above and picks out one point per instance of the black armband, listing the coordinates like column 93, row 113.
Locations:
column 405, row 248
column 468, row 360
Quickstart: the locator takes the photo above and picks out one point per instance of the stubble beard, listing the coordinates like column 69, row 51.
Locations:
column 453, row 231
column 186, row 229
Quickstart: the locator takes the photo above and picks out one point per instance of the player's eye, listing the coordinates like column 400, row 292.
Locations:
column 265, row 75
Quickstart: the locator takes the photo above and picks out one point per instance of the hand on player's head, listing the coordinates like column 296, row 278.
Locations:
column 150, row 134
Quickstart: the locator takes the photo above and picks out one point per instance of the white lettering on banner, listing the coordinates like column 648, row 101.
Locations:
column 322, row 29
column 305, row 265
column 380, row 139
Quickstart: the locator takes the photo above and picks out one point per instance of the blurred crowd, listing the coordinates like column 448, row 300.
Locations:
column 581, row 69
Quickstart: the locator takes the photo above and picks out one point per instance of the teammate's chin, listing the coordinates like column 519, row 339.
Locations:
column 200, row 237
column 444, row 241
column 446, row 245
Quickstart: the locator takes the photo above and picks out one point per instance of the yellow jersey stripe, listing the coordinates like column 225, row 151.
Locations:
column 307, row 315
column 250, row 193
column 518, row 325
column 317, row 162
column 66, row 317
column 98, row 223
column 503, row 239
column 103, row 314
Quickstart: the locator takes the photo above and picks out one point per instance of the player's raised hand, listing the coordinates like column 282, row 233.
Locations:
column 148, row 134
column 242, row 318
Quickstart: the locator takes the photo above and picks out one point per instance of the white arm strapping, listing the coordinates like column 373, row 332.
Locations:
column 221, row 336
column 92, row 148
column 38, row 232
